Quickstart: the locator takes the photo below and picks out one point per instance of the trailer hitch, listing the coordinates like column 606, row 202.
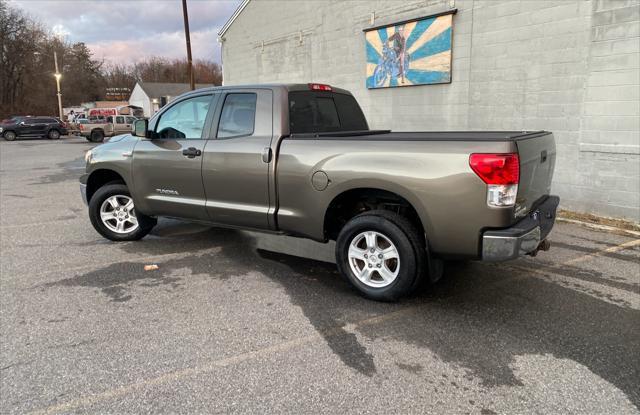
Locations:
column 544, row 245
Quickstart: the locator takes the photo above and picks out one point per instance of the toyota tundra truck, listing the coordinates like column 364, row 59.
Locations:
column 300, row 160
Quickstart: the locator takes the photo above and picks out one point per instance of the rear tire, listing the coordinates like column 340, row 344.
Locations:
column 108, row 217
column 366, row 251
column 9, row 135
column 53, row 135
column 97, row 136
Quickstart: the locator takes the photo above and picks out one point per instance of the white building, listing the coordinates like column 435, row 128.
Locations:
column 568, row 66
column 151, row 96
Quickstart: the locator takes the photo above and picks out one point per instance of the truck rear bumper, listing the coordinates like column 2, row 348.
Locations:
column 522, row 238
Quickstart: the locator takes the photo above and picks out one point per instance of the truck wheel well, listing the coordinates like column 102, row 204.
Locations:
column 353, row 202
column 99, row 178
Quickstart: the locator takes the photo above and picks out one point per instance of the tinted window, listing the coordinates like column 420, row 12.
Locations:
column 238, row 116
column 351, row 116
column 130, row 120
column 317, row 112
column 119, row 119
column 184, row 119
column 109, row 119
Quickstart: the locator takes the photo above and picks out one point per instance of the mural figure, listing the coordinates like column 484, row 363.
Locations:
column 413, row 53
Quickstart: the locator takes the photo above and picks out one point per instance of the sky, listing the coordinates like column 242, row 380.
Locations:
column 124, row 31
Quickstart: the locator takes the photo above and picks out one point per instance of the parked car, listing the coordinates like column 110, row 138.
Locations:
column 32, row 127
column 96, row 130
column 300, row 160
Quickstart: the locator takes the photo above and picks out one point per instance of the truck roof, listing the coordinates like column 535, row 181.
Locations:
column 286, row 87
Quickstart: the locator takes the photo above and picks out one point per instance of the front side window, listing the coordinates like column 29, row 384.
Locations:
column 238, row 116
column 130, row 120
column 184, row 120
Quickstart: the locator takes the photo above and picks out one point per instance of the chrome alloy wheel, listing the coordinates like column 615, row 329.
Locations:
column 374, row 259
column 118, row 215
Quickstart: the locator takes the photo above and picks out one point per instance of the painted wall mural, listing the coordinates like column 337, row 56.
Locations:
column 416, row 52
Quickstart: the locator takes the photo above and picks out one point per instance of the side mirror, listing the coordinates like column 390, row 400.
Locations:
column 141, row 128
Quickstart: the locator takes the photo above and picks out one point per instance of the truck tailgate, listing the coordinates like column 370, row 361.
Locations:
column 537, row 161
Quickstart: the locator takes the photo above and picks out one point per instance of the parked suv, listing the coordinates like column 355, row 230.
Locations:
column 32, row 127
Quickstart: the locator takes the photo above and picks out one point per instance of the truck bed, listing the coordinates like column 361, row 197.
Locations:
column 388, row 135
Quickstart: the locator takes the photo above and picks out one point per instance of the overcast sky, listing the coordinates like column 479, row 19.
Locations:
column 123, row 31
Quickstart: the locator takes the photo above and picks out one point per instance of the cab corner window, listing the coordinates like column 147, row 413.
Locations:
column 184, row 120
column 238, row 115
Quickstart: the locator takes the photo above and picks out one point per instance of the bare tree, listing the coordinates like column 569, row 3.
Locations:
column 27, row 85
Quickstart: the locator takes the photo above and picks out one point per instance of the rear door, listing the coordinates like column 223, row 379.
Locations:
column 236, row 160
column 40, row 127
column 167, row 167
column 537, row 161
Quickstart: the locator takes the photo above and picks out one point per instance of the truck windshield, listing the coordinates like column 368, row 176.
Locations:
column 323, row 112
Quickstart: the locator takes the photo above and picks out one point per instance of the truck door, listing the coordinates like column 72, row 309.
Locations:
column 120, row 126
column 235, row 165
column 167, row 167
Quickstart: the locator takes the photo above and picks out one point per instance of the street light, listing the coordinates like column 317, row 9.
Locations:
column 58, row 75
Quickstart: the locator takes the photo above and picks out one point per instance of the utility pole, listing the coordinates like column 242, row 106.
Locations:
column 186, row 33
column 58, row 75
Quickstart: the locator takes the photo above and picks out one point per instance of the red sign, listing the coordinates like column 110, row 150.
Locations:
column 104, row 112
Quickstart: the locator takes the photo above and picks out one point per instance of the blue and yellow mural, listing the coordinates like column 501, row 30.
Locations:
column 412, row 53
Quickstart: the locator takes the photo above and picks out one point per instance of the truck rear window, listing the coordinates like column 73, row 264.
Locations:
column 323, row 112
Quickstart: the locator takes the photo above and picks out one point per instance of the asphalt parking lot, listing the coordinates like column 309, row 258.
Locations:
column 225, row 324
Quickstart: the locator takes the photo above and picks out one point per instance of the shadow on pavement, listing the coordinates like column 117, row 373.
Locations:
column 480, row 317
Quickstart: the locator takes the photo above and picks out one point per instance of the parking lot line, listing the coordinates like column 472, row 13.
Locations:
column 212, row 365
column 608, row 294
column 622, row 246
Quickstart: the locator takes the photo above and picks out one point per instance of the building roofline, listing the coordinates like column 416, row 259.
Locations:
column 233, row 17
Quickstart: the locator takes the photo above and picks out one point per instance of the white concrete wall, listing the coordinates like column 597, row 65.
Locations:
column 569, row 66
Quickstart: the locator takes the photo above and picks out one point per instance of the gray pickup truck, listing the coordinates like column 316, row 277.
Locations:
column 300, row 160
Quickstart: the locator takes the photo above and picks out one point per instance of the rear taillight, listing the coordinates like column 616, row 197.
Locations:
column 320, row 87
column 501, row 173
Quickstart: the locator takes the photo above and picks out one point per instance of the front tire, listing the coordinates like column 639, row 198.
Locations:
column 9, row 135
column 381, row 254
column 113, row 214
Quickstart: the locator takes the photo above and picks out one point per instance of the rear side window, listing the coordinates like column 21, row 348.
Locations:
column 119, row 119
column 321, row 112
column 238, row 116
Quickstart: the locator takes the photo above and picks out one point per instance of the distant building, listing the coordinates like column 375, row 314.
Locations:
column 151, row 96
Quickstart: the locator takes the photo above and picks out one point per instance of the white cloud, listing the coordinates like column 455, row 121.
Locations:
column 120, row 31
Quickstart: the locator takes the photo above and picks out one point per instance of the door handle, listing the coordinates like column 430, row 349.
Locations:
column 191, row 152
column 266, row 155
